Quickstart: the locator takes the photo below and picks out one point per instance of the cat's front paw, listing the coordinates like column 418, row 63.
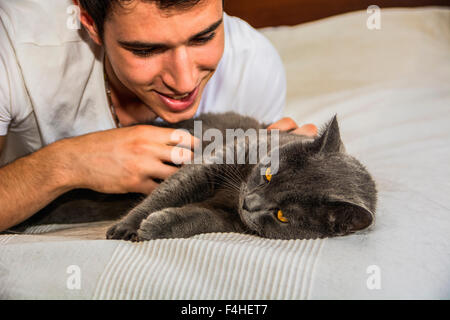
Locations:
column 122, row 231
column 150, row 230
column 159, row 225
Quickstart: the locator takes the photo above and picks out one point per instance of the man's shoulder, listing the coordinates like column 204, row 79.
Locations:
column 249, row 55
column 44, row 22
column 241, row 37
column 248, row 49
column 250, row 78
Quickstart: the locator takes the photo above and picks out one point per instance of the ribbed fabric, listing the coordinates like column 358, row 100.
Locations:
column 4, row 238
column 210, row 266
column 46, row 228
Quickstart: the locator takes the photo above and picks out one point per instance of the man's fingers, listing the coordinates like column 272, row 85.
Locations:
column 164, row 171
column 309, row 130
column 169, row 136
column 288, row 124
column 284, row 124
column 181, row 138
column 173, row 154
column 146, row 187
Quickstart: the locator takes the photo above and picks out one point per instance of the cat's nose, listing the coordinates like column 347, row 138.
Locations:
column 252, row 202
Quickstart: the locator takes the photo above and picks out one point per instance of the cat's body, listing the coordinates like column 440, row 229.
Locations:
column 316, row 189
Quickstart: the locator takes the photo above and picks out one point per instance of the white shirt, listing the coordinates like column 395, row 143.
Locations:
column 52, row 86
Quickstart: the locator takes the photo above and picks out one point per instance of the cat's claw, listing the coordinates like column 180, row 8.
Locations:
column 122, row 231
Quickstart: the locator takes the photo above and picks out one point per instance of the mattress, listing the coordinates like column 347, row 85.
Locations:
column 390, row 89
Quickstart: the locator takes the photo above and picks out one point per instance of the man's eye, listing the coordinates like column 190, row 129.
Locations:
column 203, row 40
column 147, row 52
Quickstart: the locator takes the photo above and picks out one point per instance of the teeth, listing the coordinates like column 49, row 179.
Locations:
column 179, row 97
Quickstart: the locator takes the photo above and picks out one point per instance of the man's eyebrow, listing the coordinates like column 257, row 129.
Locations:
column 210, row 29
column 146, row 45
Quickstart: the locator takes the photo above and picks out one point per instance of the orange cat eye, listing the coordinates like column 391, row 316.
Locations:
column 268, row 174
column 281, row 217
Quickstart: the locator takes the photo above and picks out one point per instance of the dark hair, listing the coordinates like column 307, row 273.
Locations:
column 99, row 9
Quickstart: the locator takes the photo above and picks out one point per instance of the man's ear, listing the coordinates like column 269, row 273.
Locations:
column 89, row 24
column 330, row 139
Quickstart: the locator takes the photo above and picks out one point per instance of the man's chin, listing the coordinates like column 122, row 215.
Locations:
column 174, row 117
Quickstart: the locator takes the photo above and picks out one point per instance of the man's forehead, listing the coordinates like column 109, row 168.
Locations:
column 168, row 7
column 139, row 19
column 143, row 44
column 148, row 9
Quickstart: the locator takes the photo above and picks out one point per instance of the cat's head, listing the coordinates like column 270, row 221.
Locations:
column 318, row 191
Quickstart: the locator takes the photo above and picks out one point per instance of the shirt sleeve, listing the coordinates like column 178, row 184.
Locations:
column 5, row 97
column 5, row 115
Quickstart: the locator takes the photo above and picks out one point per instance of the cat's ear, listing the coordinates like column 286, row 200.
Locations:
column 330, row 139
column 347, row 217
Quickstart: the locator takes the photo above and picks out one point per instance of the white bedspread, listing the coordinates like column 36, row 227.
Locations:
column 391, row 91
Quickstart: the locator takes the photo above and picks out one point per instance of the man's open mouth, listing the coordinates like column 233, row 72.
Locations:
column 176, row 97
column 179, row 102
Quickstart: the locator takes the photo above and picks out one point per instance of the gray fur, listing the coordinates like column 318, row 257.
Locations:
column 323, row 191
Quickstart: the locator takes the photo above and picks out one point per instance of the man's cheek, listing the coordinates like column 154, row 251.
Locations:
column 209, row 56
column 140, row 74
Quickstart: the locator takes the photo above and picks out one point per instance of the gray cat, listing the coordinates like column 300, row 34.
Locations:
column 318, row 191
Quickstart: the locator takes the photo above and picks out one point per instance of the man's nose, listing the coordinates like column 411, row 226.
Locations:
column 181, row 74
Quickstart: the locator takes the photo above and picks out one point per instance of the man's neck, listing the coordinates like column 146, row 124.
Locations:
column 128, row 107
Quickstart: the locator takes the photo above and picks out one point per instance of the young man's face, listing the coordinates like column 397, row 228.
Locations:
column 165, row 57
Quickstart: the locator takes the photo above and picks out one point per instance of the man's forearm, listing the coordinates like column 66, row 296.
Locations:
column 30, row 183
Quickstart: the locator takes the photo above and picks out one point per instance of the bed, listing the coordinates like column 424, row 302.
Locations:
column 391, row 91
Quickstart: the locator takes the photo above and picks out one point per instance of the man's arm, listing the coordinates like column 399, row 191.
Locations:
column 111, row 161
column 28, row 184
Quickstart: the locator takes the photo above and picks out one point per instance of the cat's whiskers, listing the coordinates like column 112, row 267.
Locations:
column 231, row 178
column 233, row 174
column 229, row 184
column 224, row 183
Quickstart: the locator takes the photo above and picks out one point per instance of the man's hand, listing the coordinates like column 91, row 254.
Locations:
column 288, row 124
column 112, row 161
column 126, row 159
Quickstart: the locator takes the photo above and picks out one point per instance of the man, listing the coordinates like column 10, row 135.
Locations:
column 69, row 95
